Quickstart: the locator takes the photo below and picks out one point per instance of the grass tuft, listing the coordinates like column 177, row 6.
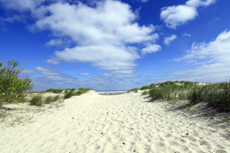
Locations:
column 36, row 100
column 73, row 92
column 133, row 90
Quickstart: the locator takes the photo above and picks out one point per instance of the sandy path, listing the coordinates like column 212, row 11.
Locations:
column 126, row 123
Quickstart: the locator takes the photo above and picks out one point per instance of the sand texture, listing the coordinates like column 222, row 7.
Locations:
column 127, row 123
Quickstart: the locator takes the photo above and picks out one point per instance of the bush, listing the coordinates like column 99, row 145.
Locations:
column 11, row 86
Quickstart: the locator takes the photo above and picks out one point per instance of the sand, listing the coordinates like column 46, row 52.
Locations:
column 126, row 123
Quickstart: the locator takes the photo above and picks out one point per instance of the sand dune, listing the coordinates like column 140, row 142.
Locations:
column 127, row 123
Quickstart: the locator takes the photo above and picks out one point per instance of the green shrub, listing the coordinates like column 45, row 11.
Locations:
column 11, row 86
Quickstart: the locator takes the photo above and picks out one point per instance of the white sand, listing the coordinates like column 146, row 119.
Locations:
column 127, row 123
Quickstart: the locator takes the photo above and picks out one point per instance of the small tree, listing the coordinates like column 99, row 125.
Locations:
column 11, row 86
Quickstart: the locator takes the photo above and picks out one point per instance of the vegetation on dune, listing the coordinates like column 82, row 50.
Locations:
column 54, row 90
column 73, row 92
column 36, row 100
column 133, row 90
column 39, row 100
column 145, row 88
column 50, row 99
column 216, row 95
column 12, row 87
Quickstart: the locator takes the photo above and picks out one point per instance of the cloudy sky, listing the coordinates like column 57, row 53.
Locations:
column 116, row 44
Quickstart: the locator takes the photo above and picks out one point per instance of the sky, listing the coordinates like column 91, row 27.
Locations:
column 116, row 44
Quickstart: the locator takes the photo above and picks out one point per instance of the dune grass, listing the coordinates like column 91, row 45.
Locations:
column 133, row 90
column 54, row 90
column 50, row 99
column 74, row 92
column 216, row 95
column 39, row 100
column 36, row 100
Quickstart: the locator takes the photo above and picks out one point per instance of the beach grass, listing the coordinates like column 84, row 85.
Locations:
column 74, row 92
column 36, row 100
column 133, row 90
column 216, row 95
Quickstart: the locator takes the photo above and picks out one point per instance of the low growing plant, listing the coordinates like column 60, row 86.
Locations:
column 134, row 90
column 36, row 100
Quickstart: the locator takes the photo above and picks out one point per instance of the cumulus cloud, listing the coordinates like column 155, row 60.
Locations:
column 168, row 40
column 107, row 57
column 103, row 33
column 21, row 5
column 212, row 58
column 177, row 15
column 54, row 42
column 111, row 22
column 151, row 49
column 198, row 3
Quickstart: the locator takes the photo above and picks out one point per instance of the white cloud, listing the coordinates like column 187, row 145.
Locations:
column 111, row 22
column 27, row 71
column 212, row 57
column 174, row 16
column 103, row 33
column 53, row 75
column 198, row 3
column 168, row 40
column 177, row 15
column 12, row 19
column 54, row 42
column 21, row 5
column 107, row 57
column 85, row 74
column 151, row 49
column 186, row 35
column 120, row 74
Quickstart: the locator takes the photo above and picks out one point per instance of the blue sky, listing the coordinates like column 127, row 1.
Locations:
column 116, row 45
